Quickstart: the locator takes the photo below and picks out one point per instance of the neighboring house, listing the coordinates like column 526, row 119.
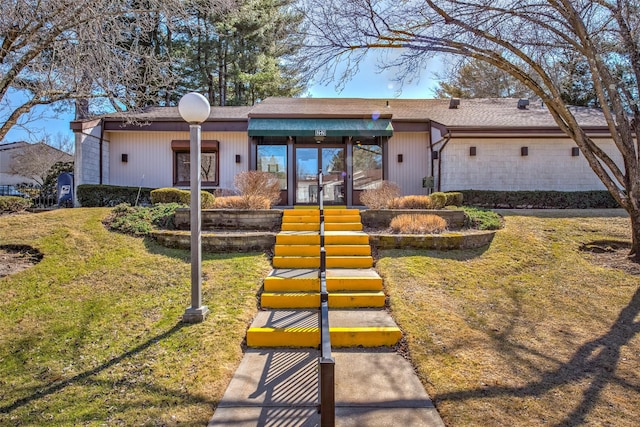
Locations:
column 7, row 177
column 422, row 145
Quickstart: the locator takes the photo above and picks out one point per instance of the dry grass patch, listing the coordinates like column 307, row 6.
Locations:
column 91, row 335
column 529, row 331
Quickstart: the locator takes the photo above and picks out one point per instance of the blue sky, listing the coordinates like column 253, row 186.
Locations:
column 367, row 84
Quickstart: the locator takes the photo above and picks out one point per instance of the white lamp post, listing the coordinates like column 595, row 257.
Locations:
column 194, row 109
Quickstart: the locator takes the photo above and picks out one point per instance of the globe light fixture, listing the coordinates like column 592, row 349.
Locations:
column 194, row 109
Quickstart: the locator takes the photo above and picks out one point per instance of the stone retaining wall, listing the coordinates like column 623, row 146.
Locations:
column 219, row 242
column 232, row 219
column 381, row 218
column 446, row 241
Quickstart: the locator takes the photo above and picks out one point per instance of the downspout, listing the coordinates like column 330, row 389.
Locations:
column 445, row 140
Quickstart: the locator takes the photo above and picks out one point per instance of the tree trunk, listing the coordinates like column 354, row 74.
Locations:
column 634, row 254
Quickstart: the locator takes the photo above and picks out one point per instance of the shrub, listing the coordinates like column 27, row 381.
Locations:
column 12, row 204
column 418, row 224
column 139, row 221
column 258, row 185
column 540, row 199
column 381, row 197
column 93, row 195
column 242, row 202
column 206, row 199
column 454, row 199
column 183, row 197
column 170, row 195
column 482, row 219
column 438, row 200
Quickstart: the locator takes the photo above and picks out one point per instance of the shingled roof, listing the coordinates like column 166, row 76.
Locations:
column 491, row 113
column 476, row 113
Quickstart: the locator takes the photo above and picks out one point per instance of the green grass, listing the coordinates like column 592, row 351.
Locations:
column 92, row 334
column 528, row 331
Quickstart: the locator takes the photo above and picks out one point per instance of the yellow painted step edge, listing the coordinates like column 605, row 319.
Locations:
column 310, row 337
column 280, row 284
column 314, row 262
column 312, row 299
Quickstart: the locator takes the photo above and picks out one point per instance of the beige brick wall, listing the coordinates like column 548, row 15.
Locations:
column 499, row 165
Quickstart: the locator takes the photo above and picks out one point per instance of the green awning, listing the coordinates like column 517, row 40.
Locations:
column 311, row 127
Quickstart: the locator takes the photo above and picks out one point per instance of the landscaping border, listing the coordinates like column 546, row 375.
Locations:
column 445, row 241
column 219, row 242
column 232, row 219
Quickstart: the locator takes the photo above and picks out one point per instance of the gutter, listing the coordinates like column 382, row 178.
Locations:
column 100, row 167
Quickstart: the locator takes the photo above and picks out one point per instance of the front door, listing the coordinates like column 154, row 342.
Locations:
column 310, row 160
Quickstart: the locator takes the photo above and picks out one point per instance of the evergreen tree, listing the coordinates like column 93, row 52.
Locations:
column 477, row 79
column 239, row 56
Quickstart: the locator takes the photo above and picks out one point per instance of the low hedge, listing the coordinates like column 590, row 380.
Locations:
column 11, row 204
column 539, row 199
column 175, row 195
column 93, row 195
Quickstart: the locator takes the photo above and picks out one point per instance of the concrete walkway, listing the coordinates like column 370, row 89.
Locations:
column 374, row 387
column 276, row 383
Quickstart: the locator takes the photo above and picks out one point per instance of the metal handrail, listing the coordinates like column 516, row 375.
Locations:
column 327, row 406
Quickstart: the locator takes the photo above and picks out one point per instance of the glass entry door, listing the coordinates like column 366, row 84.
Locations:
column 310, row 160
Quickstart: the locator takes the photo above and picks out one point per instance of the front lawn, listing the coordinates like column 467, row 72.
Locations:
column 92, row 335
column 532, row 330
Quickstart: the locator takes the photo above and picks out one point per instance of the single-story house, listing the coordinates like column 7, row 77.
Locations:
column 422, row 145
column 25, row 163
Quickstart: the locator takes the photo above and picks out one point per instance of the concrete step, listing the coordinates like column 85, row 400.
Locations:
column 312, row 299
column 314, row 262
column 315, row 211
column 306, row 280
column 301, row 328
column 334, row 219
column 290, row 219
column 328, row 226
column 301, row 237
column 314, row 250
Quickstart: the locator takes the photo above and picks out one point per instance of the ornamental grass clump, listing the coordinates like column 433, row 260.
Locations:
column 418, row 224
column 412, row 202
column 242, row 202
column 256, row 187
column 380, row 197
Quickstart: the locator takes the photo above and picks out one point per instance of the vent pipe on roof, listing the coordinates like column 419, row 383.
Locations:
column 453, row 103
column 523, row 104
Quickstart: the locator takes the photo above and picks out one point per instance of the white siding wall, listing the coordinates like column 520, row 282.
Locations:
column 498, row 165
column 414, row 147
column 150, row 158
